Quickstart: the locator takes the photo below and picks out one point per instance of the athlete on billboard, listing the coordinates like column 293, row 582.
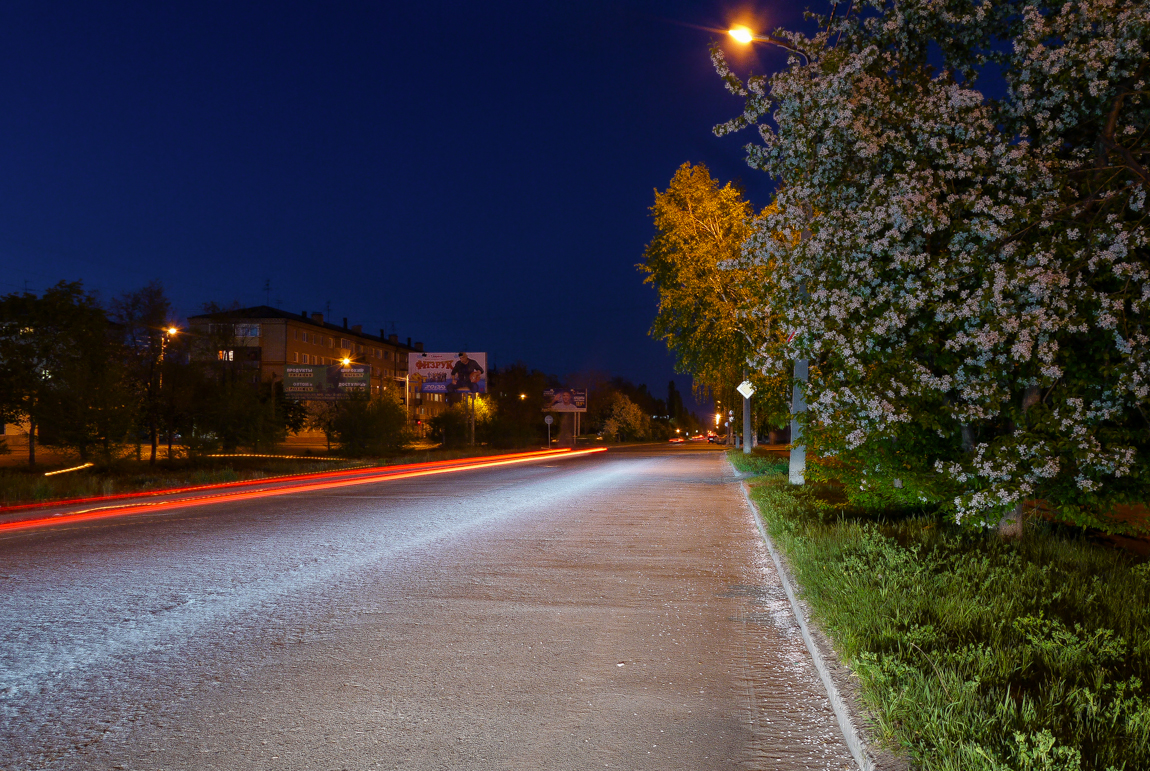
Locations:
column 465, row 373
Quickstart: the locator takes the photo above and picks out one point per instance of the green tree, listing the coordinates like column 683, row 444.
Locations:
column 144, row 317
column 370, row 426
column 229, row 406
column 625, row 421
column 517, row 419
column 61, row 369
column 712, row 313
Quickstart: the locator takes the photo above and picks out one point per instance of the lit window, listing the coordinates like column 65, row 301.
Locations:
column 227, row 355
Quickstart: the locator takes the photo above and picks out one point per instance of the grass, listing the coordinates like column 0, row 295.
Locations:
column 21, row 485
column 974, row 653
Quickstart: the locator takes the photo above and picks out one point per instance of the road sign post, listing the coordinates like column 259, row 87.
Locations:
column 548, row 420
column 747, row 390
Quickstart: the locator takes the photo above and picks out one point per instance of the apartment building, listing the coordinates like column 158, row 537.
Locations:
column 266, row 340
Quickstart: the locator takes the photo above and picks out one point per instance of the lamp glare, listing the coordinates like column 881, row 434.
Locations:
column 742, row 34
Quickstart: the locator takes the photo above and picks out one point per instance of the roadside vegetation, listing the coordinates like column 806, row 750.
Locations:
column 973, row 652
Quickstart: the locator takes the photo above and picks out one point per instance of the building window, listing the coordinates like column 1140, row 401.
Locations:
column 346, row 344
column 247, row 330
column 306, row 359
column 227, row 355
column 297, row 357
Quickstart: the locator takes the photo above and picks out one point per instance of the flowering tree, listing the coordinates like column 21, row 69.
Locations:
column 973, row 288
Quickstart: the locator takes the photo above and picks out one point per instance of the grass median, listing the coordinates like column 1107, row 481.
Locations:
column 973, row 653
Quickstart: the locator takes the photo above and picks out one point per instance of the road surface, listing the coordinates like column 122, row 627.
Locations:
column 611, row 611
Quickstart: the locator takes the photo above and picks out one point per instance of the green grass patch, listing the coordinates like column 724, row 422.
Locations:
column 976, row 653
column 758, row 462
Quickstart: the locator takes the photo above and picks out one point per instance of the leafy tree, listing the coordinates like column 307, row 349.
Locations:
column 370, row 426
column 229, row 406
column 972, row 295
column 712, row 314
column 517, row 395
column 625, row 420
column 61, row 369
column 144, row 316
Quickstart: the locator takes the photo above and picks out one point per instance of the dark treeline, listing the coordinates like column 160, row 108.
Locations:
column 105, row 381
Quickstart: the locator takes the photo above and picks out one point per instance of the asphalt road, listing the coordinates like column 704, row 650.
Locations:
column 610, row 611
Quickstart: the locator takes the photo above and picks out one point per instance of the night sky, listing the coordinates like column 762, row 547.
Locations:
column 470, row 175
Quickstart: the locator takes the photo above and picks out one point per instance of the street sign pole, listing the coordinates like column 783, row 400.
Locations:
column 548, row 420
column 747, row 391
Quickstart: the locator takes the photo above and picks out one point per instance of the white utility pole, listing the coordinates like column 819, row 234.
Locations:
column 798, row 405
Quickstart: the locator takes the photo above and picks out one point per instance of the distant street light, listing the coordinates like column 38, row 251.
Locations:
column 165, row 334
column 345, row 361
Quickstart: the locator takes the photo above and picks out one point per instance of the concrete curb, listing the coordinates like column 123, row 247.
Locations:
column 851, row 735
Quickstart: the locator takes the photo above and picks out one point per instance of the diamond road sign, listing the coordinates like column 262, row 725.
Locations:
column 746, row 389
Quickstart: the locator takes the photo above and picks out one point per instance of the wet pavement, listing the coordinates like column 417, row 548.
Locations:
column 612, row 611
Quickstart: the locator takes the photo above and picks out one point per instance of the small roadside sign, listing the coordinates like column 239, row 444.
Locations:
column 746, row 389
column 548, row 420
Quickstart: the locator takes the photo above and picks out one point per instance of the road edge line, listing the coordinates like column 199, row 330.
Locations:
column 851, row 735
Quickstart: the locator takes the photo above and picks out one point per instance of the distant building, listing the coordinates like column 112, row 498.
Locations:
column 264, row 340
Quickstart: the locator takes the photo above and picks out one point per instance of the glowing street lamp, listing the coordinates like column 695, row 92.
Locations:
column 171, row 331
column 746, row 37
column 742, row 34
column 345, row 361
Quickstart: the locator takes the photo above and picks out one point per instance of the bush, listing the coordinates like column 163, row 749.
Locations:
column 370, row 427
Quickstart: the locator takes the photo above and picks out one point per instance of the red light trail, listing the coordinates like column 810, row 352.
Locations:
column 323, row 481
column 285, row 478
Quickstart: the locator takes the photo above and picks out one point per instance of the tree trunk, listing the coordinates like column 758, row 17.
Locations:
column 31, row 442
column 155, row 439
column 967, row 438
column 1013, row 525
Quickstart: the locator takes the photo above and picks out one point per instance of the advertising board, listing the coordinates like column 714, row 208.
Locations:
column 447, row 373
column 565, row 400
column 326, row 383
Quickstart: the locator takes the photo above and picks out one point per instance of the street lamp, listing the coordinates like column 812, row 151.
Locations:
column 746, row 37
column 164, row 335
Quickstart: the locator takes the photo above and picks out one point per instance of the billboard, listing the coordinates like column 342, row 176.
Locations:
column 565, row 400
column 447, row 373
column 326, row 382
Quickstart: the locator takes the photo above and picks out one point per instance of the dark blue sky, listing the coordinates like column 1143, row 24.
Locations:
column 467, row 174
